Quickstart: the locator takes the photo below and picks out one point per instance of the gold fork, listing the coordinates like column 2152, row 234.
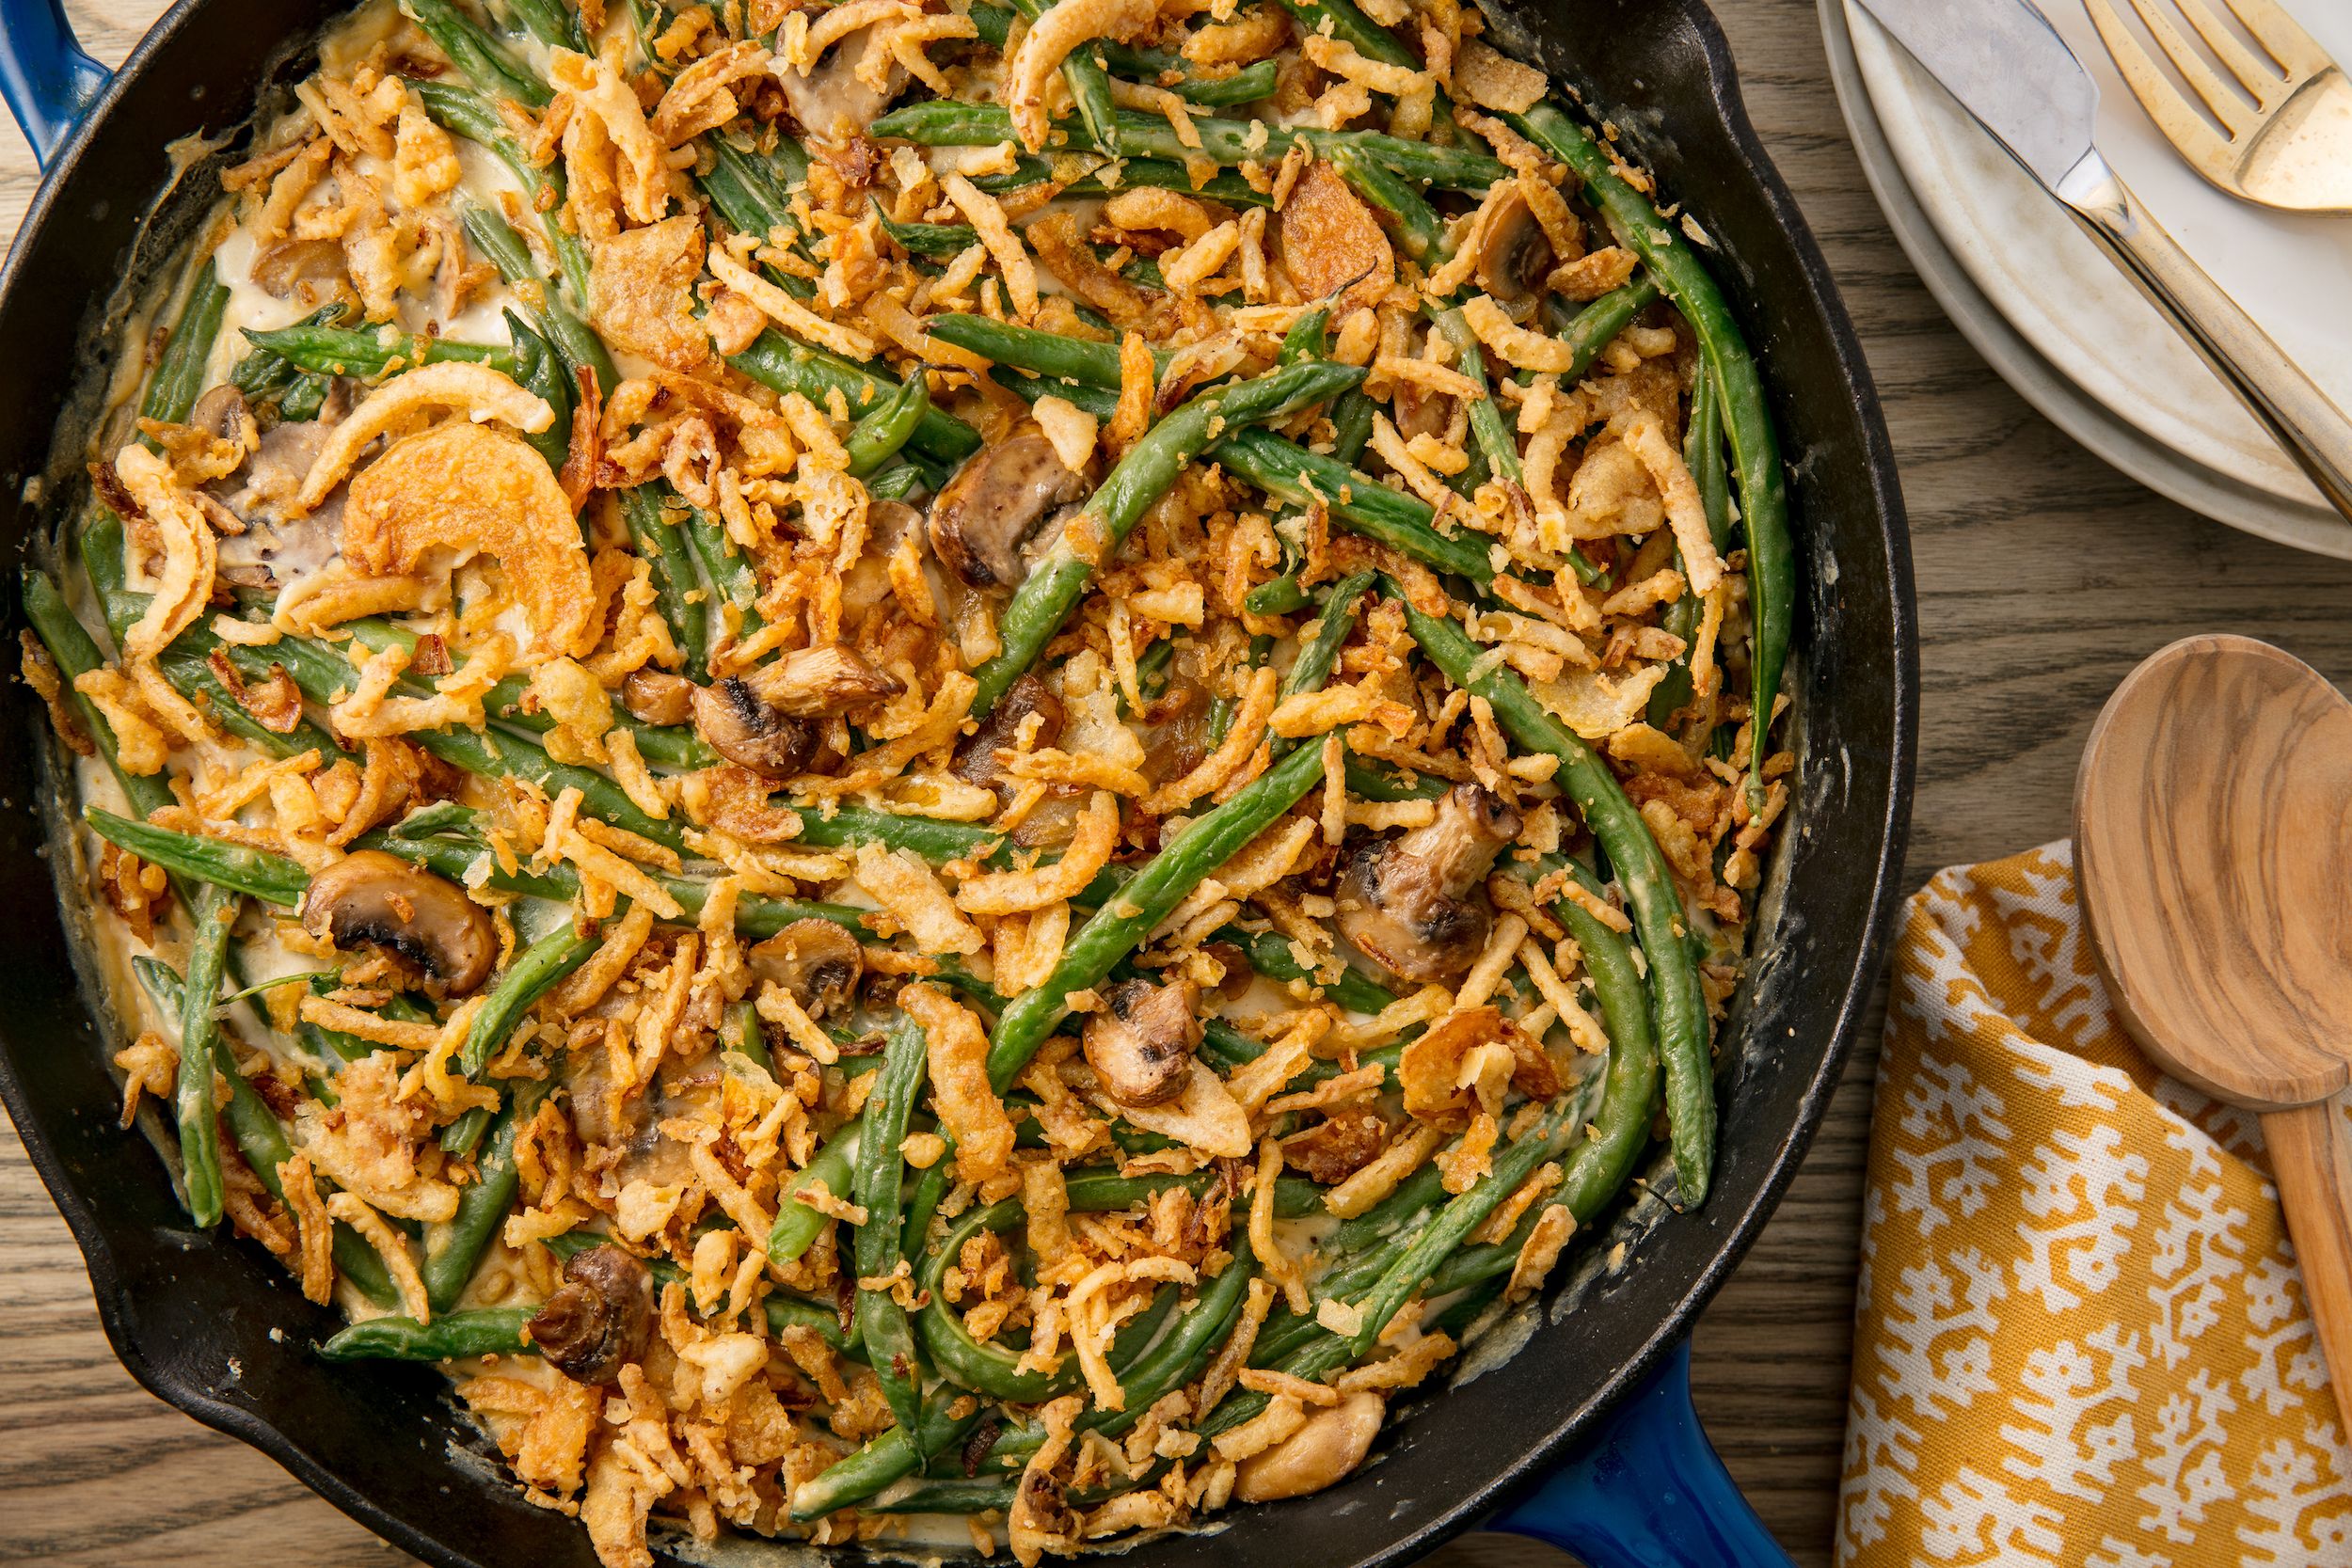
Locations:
column 2291, row 147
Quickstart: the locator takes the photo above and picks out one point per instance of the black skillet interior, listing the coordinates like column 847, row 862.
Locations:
column 214, row 1328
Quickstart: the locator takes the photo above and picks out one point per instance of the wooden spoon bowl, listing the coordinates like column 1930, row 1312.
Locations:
column 2213, row 848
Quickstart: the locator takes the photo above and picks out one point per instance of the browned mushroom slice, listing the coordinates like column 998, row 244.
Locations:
column 819, row 683
column 658, row 697
column 1514, row 257
column 1407, row 902
column 1001, row 498
column 601, row 1320
column 1141, row 1043
column 1322, row 1452
column 369, row 900
column 833, row 102
column 818, row 962
column 309, row 272
column 729, row 715
column 976, row 754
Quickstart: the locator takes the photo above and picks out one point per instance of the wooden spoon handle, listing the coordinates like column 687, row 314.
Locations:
column 2313, row 1157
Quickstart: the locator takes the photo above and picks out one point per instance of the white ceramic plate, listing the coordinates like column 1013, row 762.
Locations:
column 2061, row 324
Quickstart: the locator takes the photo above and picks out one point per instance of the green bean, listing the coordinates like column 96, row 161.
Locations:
column 75, row 653
column 1595, row 328
column 1747, row 417
column 877, row 437
column 1282, row 596
column 1351, row 26
column 891, row 1456
column 261, row 1139
column 451, row 1251
column 465, row 113
column 178, row 377
column 930, row 1189
column 783, row 364
column 1269, row 954
column 451, row 1337
column 1338, row 618
column 368, row 352
column 676, row 587
column 798, row 1225
column 576, row 343
column 1649, row 884
column 478, row 57
column 539, row 370
column 939, row 241
column 1248, row 85
column 879, row 1170
column 1305, row 339
column 1379, row 782
column 553, row 24
column 262, row 375
column 1419, row 228
column 1159, row 174
column 531, row 976
column 742, row 1031
column 235, row 867
column 1046, row 353
column 945, row 122
column 1703, row 453
column 1113, row 931
column 1351, row 427
column 1053, row 587
column 214, row 913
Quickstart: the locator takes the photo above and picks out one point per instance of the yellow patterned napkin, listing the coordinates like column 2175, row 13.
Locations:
column 2080, row 1337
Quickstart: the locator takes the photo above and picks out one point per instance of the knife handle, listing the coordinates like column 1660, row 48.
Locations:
column 2301, row 418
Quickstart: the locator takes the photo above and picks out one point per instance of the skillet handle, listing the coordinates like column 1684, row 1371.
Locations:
column 46, row 78
column 1646, row 1490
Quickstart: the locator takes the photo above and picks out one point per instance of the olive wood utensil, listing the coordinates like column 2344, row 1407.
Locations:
column 2213, row 847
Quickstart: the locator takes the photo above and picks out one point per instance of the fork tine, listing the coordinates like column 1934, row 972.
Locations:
column 2277, row 31
column 2232, row 111
column 2182, row 125
column 2255, row 74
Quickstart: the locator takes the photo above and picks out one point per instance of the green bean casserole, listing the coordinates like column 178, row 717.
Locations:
column 930, row 770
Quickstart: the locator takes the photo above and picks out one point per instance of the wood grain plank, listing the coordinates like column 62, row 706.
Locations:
column 2044, row 576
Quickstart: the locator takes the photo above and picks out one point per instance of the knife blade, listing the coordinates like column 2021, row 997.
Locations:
column 2008, row 66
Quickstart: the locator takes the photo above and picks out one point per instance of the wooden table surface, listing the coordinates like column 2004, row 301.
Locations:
column 2044, row 576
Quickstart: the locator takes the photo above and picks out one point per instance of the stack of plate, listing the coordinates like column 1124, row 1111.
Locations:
column 2042, row 303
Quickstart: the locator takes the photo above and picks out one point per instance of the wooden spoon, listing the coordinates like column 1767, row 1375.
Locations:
column 2213, row 846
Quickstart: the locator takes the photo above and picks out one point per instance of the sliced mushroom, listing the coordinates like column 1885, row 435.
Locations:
column 222, row 412
column 1409, row 901
column 729, row 715
column 1141, row 1043
column 1514, row 257
column 1003, row 498
column 976, row 754
column 658, row 697
column 1332, row 1443
column 818, row 962
column 819, row 683
column 309, row 272
column 600, row 1320
column 834, row 102
column 374, row 900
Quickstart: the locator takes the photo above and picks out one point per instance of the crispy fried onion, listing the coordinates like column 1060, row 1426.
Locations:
column 1206, row 1115
column 1469, row 1057
column 596, row 86
column 184, row 584
column 1049, row 41
column 1019, row 892
column 474, row 491
column 480, row 392
column 968, row 1107
column 642, row 287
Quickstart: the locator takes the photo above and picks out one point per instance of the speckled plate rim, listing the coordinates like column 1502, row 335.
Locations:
column 2121, row 445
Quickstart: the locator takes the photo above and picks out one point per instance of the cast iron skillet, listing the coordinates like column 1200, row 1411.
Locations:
column 1602, row 1387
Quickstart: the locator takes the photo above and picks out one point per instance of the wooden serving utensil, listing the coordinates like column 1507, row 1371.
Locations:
column 2213, row 847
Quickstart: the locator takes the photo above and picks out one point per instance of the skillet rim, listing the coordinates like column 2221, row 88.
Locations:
column 1499, row 1485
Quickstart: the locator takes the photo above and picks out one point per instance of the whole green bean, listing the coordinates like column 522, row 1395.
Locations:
column 235, row 867
column 678, row 588
column 214, row 913
column 1597, row 326
column 553, row 24
column 368, row 352
column 1053, row 587
column 1649, row 884
column 451, row 1337
column 879, row 1171
column 453, row 1250
column 481, row 58
column 1046, row 353
column 945, row 122
column 798, row 1225
column 893, row 1455
column 1112, row 931
column 1747, row 417
column 531, row 976
column 576, row 343
column 179, row 379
